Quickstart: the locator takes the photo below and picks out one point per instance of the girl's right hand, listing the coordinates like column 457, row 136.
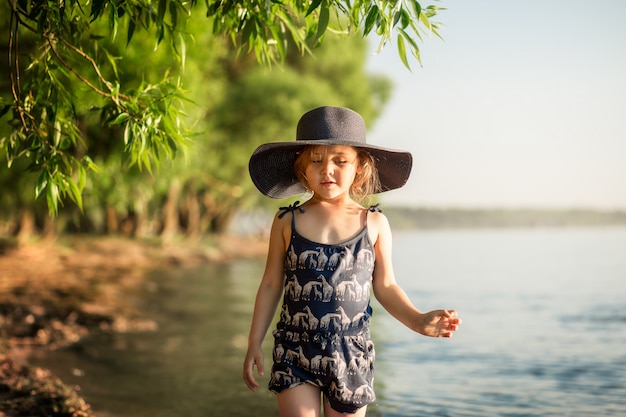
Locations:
column 254, row 356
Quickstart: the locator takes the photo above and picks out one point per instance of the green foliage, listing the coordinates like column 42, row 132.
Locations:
column 127, row 62
column 266, row 27
column 66, row 56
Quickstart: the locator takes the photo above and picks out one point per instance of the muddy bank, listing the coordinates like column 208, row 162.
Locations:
column 52, row 294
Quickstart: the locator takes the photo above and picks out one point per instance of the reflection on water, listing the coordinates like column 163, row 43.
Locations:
column 544, row 334
column 191, row 366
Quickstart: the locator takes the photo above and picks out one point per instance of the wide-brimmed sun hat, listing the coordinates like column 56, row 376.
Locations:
column 272, row 164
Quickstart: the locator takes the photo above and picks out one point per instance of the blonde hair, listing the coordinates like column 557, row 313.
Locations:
column 366, row 182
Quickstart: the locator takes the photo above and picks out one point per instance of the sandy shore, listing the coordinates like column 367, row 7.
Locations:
column 54, row 293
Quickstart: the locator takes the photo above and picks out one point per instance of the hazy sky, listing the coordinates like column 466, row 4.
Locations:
column 522, row 104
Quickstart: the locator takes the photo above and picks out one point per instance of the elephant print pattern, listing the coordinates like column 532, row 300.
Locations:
column 322, row 336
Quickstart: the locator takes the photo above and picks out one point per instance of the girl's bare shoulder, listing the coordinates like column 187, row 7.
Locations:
column 280, row 231
column 376, row 215
column 283, row 219
column 377, row 224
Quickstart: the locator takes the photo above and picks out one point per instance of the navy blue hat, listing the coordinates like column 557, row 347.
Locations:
column 272, row 164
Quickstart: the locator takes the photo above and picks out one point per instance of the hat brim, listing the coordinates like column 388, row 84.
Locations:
column 272, row 166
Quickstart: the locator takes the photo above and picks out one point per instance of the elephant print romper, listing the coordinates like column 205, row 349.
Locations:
column 322, row 336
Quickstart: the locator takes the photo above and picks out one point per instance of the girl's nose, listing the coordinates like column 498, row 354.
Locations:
column 327, row 167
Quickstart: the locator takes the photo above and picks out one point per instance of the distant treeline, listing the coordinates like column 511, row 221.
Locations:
column 434, row 218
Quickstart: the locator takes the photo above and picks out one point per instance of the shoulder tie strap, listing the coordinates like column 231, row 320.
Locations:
column 375, row 208
column 290, row 209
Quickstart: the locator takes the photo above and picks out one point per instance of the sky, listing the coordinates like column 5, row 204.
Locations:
column 521, row 105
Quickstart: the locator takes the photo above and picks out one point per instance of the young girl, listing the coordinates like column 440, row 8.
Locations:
column 324, row 258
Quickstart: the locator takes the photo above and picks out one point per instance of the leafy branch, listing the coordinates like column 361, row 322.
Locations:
column 44, row 105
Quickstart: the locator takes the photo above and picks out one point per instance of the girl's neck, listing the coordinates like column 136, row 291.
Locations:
column 342, row 201
column 330, row 221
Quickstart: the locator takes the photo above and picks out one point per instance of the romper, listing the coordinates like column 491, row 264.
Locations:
column 322, row 336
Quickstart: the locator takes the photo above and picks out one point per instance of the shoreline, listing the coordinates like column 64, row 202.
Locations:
column 54, row 293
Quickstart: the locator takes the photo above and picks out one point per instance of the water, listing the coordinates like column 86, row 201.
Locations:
column 544, row 334
column 544, row 325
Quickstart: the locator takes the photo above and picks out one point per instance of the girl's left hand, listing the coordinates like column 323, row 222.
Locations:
column 440, row 323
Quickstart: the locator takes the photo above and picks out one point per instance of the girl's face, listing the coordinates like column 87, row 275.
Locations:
column 331, row 171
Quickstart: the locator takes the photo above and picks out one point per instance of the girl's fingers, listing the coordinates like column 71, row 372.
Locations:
column 251, row 382
column 449, row 323
column 259, row 367
column 451, row 313
column 453, row 316
column 248, row 376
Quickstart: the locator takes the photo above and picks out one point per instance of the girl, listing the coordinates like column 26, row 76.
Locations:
column 324, row 258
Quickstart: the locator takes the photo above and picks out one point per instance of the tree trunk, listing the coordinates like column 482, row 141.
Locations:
column 193, row 215
column 112, row 221
column 170, row 212
column 26, row 226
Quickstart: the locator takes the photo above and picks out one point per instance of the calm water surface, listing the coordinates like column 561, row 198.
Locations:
column 544, row 334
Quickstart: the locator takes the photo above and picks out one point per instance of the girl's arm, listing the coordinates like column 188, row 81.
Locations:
column 436, row 323
column 267, row 298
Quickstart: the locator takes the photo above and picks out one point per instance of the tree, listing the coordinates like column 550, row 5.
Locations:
column 49, row 41
column 235, row 105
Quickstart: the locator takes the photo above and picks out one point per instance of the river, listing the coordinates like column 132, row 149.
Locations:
column 544, row 332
